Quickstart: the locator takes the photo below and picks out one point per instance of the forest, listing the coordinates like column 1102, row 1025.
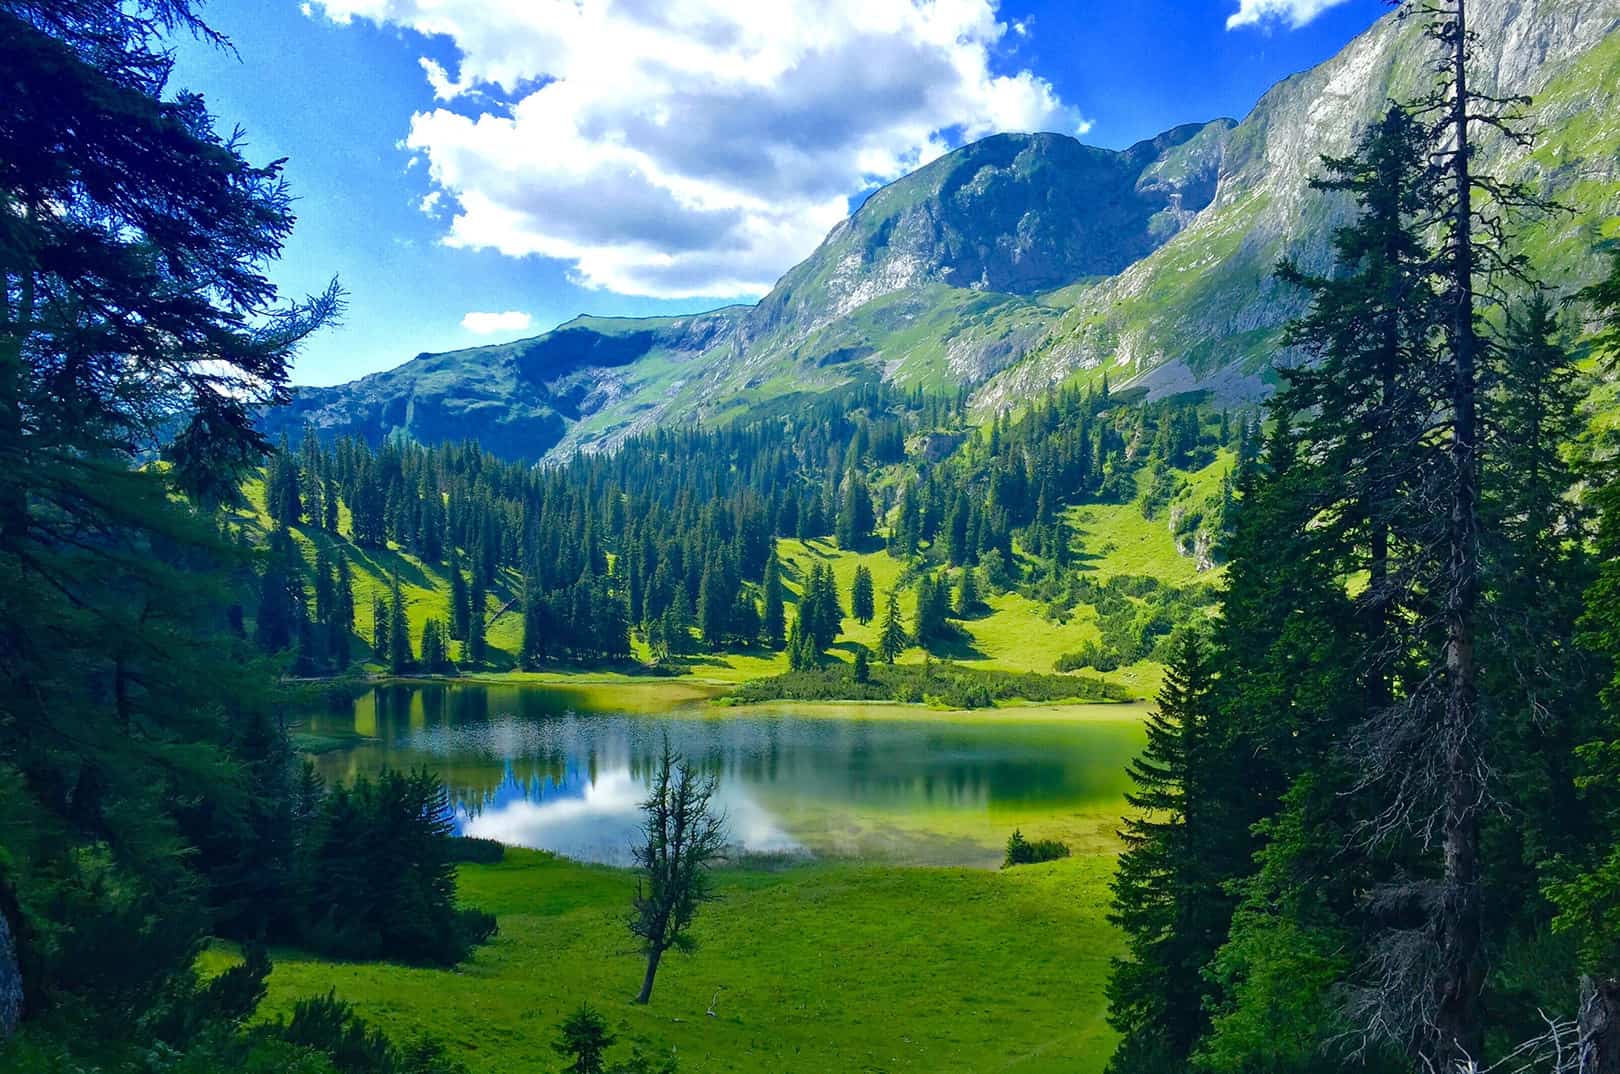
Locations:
column 1376, row 822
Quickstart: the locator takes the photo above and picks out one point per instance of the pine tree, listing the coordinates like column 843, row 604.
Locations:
column 281, row 596
column 474, row 650
column 861, row 597
column 343, row 615
column 329, row 504
column 399, row 630
column 933, row 608
column 379, row 628
column 967, row 594
column 1166, row 905
column 774, row 620
column 892, row 634
column 460, row 601
column 855, row 518
column 435, row 654
column 713, row 606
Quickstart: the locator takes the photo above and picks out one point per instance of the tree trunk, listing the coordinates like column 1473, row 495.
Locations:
column 1457, row 929
column 1599, row 1024
column 652, row 971
column 11, row 984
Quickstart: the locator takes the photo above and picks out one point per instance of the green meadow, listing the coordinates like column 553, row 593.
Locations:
column 810, row 969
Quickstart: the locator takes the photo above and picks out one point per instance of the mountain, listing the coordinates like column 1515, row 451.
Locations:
column 1204, row 308
column 1027, row 260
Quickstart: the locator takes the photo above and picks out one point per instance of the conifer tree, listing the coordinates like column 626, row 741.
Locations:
column 379, row 628
column 861, row 597
column 474, row 648
column 435, row 654
column 460, row 600
column 892, row 633
column 399, row 629
column 1165, row 903
column 967, row 594
column 774, row 619
column 343, row 614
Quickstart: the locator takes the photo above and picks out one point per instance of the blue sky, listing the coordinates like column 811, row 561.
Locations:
column 481, row 170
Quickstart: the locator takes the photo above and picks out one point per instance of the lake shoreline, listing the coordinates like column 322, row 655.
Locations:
column 717, row 698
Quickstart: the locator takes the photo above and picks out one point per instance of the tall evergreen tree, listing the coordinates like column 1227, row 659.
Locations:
column 892, row 633
column 774, row 618
column 861, row 596
column 1165, row 901
column 399, row 629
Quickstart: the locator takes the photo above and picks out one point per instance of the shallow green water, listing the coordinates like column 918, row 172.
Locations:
column 564, row 769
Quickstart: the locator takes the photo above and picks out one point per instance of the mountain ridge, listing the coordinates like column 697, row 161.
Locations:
column 1023, row 261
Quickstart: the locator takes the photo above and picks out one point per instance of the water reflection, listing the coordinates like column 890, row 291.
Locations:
column 566, row 769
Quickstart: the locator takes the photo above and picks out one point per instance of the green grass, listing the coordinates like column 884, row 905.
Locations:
column 823, row 968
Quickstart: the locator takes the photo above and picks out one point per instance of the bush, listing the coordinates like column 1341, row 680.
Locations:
column 470, row 850
column 1090, row 655
column 944, row 684
column 379, row 874
column 328, row 1025
column 1021, row 851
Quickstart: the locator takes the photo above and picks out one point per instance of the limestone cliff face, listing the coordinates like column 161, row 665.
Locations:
column 1205, row 309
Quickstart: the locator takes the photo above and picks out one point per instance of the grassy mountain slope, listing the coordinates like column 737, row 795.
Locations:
column 1205, row 305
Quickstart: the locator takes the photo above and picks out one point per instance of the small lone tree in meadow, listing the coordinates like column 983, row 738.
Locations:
column 583, row 1039
column 683, row 834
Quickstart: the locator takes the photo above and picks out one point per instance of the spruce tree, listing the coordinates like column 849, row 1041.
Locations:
column 774, row 619
column 861, row 596
column 399, row 629
column 460, row 601
column 435, row 654
column 343, row 614
column 474, row 650
column 892, row 633
column 379, row 628
column 967, row 594
column 1167, row 906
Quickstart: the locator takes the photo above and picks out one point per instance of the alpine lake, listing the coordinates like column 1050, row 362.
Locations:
column 564, row 767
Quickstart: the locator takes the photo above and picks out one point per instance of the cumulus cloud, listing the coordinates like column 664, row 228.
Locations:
column 487, row 324
column 695, row 147
column 1295, row 13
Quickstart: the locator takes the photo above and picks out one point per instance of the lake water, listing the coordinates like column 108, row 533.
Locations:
column 565, row 768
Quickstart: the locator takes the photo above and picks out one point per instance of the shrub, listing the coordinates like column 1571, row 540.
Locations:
column 1021, row 851
column 470, row 850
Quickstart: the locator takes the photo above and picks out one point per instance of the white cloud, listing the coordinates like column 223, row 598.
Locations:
column 1295, row 13
column 695, row 147
column 487, row 324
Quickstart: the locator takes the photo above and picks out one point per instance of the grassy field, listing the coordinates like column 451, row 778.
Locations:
column 818, row 969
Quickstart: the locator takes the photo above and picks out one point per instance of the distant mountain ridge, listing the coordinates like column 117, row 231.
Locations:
column 1023, row 261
